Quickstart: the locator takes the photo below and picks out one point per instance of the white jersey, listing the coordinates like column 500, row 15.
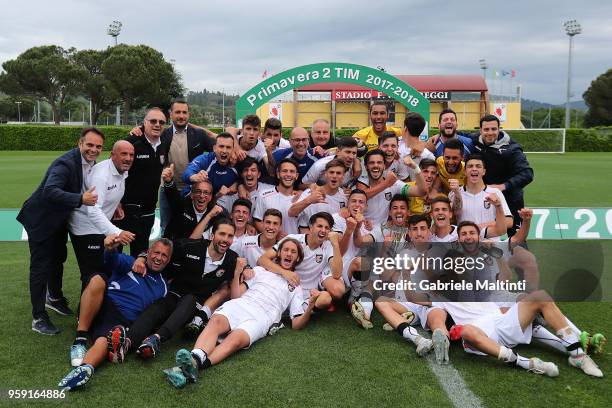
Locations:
column 274, row 199
column 378, row 206
column 249, row 249
column 404, row 151
column 332, row 204
column 352, row 250
column 110, row 186
column 476, row 209
column 268, row 296
column 315, row 264
column 468, row 312
column 258, row 152
column 316, row 173
column 450, row 237
column 227, row 201
column 401, row 170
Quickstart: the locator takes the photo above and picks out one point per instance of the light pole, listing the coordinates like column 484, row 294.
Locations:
column 572, row 28
column 18, row 111
column 114, row 29
column 483, row 66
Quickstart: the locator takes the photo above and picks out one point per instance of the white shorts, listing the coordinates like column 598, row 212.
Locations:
column 504, row 329
column 420, row 313
column 240, row 317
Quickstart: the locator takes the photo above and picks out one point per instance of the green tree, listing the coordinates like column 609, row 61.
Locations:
column 599, row 100
column 93, row 84
column 141, row 77
column 45, row 72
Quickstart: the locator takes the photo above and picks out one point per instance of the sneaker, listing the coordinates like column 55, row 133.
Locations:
column 43, row 325
column 187, row 364
column 60, row 306
column 360, row 316
column 441, row 343
column 275, row 328
column 149, row 348
column 424, row 345
column 176, row 377
column 117, row 344
column 586, row 364
column 540, row 367
column 195, row 327
column 409, row 316
column 78, row 377
column 77, row 354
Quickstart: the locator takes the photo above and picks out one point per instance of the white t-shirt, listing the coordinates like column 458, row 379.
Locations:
column 404, row 151
column 332, row 204
column 258, row 152
column 249, row 249
column 475, row 208
column 401, row 170
column 352, row 250
column 467, row 312
column 451, row 237
column 317, row 172
column 227, row 201
column 274, row 199
column 269, row 295
column 378, row 206
column 315, row 263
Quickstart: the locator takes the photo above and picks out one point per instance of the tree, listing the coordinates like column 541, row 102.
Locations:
column 599, row 100
column 93, row 84
column 141, row 77
column 45, row 72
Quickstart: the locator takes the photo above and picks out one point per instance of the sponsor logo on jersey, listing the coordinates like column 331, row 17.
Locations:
column 220, row 273
column 93, row 246
column 319, row 258
column 221, row 173
column 250, row 244
column 111, row 187
column 193, row 257
column 189, row 217
column 142, row 156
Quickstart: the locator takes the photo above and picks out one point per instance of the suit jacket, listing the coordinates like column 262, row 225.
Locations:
column 49, row 207
column 198, row 141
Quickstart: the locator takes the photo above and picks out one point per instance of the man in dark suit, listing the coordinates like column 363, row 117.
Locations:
column 45, row 218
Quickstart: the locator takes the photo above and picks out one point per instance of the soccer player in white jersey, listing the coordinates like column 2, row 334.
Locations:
column 281, row 198
column 250, row 188
column 322, row 266
column 347, row 153
column 388, row 142
column 257, row 304
column 380, row 189
column 472, row 201
column 410, row 144
column 254, row 246
column 328, row 198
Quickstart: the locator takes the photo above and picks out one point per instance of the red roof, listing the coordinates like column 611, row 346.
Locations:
column 422, row 83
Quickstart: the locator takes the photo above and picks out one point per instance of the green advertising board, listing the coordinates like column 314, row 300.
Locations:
column 547, row 224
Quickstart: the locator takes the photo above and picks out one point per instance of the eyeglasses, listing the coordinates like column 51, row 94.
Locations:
column 299, row 140
column 156, row 121
column 201, row 192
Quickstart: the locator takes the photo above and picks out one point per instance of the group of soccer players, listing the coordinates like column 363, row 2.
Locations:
column 263, row 230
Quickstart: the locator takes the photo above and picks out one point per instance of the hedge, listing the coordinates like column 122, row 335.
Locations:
column 62, row 138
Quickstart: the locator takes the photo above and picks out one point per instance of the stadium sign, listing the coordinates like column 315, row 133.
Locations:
column 325, row 72
column 547, row 223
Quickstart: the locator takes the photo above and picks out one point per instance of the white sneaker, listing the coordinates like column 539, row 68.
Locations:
column 424, row 345
column 586, row 364
column 359, row 315
column 538, row 366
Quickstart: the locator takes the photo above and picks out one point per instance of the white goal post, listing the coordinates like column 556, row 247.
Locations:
column 539, row 140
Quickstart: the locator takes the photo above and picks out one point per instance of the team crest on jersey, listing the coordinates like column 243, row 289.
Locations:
column 220, row 273
column 487, row 205
column 426, row 208
column 342, row 204
column 319, row 258
column 290, row 287
column 388, row 196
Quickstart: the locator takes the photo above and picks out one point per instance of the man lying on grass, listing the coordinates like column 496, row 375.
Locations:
column 257, row 305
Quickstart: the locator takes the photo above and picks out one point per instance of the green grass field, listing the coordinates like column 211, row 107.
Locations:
column 330, row 363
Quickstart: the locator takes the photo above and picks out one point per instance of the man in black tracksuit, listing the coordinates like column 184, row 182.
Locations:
column 142, row 185
column 507, row 167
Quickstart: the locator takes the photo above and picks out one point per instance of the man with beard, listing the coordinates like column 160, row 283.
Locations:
column 281, row 198
column 250, row 187
column 215, row 167
column 451, row 168
column 347, row 153
column 45, row 218
column 380, row 189
column 322, row 265
column 120, row 301
column 188, row 212
column 257, row 305
column 378, row 117
column 507, row 167
column 299, row 152
column 199, row 268
column 142, row 185
column 448, row 131
column 329, row 198
column 428, row 171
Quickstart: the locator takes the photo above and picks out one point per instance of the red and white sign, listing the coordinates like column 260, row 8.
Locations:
column 365, row 95
column 275, row 110
column 499, row 110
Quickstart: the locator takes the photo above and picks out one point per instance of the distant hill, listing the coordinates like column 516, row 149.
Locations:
column 528, row 104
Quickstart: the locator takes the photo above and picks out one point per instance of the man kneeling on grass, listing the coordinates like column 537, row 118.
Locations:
column 257, row 305
column 127, row 294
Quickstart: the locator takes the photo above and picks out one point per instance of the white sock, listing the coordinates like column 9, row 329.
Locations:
column 568, row 337
column 410, row 333
column 542, row 335
column 573, row 326
column 200, row 355
column 509, row 356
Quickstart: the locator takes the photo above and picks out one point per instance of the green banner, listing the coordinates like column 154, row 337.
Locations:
column 331, row 72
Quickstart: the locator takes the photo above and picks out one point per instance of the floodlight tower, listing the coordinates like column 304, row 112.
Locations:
column 114, row 29
column 572, row 28
column 483, row 66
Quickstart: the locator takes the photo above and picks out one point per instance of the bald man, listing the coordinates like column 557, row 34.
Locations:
column 299, row 152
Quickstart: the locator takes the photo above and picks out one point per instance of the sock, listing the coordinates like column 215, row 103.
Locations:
column 570, row 341
column 509, row 356
column 573, row 327
column 367, row 303
column 542, row 335
column 408, row 332
column 81, row 338
column 201, row 358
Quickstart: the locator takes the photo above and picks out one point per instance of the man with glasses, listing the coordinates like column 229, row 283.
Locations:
column 299, row 152
column 142, row 185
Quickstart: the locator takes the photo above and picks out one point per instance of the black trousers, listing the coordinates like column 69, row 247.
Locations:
column 169, row 313
column 89, row 252
column 47, row 269
column 140, row 222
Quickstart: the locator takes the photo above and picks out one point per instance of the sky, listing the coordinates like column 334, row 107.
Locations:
column 227, row 45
